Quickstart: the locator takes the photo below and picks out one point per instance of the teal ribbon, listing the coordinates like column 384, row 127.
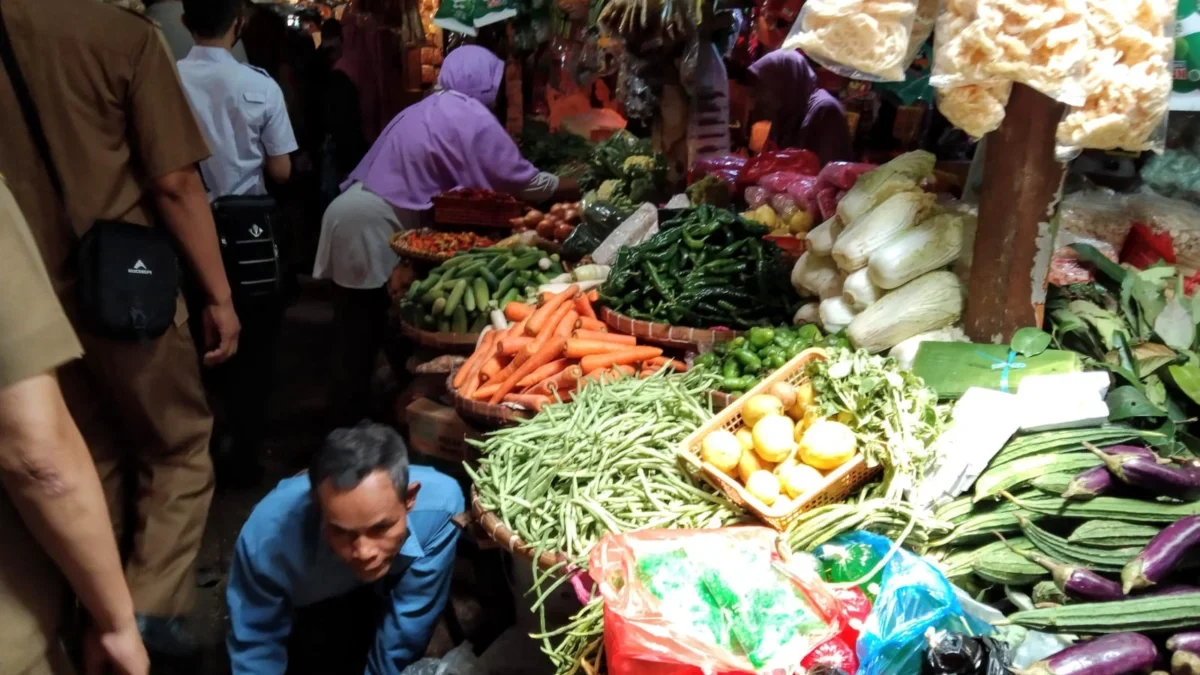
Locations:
column 1003, row 365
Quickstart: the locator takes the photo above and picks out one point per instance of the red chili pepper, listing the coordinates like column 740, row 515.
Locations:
column 833, row 653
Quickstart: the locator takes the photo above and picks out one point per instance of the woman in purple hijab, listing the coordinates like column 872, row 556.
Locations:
column 802, row 115
column 449, row 140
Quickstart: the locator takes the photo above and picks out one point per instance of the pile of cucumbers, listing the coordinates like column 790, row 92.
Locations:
column 458, row 295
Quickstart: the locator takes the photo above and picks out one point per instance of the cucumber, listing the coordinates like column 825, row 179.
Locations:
column 496, row 264
column 509, row 296
column 491, row 279
column 1112, row 534
column 458, row 323
column 459, row 260
column 460, row 287
column 480, row 286
column 480, row 322
column 997, row 563
column 438, row 305
column 434, row 291
column 1139, row 614
column 1112, row 508
column 468, row 298
column 524, row 261
column 443, row 325
column 506, row 283
column 1098, row 559
column 1022, row 471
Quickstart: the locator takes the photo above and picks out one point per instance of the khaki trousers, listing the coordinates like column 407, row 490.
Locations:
column 142, row 411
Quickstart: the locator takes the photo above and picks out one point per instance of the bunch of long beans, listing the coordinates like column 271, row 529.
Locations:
column 604, row 462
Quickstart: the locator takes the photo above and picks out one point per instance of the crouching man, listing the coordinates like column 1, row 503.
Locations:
column 345, row 569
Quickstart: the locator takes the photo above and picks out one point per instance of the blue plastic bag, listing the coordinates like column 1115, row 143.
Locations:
column 913, row 597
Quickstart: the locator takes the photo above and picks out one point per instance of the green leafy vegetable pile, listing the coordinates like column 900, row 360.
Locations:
column 558, row 152
column 624, row 171
column 707, row 267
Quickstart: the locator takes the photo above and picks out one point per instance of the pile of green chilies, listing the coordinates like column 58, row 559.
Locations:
column 604, row 462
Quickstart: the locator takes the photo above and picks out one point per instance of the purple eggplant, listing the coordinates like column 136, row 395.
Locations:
column 1078, row 582
column 1185, row 663
column 1098, row 480
column 1185, row 642
column 1161, row 555
column 1113, row 654
column 1180, row 482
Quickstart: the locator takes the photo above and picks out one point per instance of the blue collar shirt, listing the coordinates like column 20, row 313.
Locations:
column 281, row 561
column 241, row 111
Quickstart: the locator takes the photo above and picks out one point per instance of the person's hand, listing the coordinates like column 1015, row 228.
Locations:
column 118, row 652
column 221, row 330
column 401, row 278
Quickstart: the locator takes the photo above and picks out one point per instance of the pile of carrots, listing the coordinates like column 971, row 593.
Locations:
column 550, row 351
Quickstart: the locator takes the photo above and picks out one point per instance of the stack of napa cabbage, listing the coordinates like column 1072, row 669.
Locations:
column 877, row 268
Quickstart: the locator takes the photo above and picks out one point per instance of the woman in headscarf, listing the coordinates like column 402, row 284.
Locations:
column 449, row 140
column 802, row 115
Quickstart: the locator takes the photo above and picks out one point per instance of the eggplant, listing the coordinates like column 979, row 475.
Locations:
column 1185, row 663
column 1185, row 642
column 1161, row 555
column 1078, row 582
column 1180, row 482
column 1113, row 654
column 1098, row 480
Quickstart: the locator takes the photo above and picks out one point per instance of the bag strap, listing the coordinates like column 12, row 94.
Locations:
column 29, row 110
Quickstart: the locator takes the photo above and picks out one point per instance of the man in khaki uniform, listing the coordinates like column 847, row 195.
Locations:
column 50, row 491
column 124, row 141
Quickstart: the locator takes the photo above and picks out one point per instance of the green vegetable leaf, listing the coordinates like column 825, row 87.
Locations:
column 1030, row 341
column 1110, row 269
column 1148, row 292
column 1150, row 356
column 1187, row 379
column 1196, row 307
column 1106, row 323
column 1175, row 325
column 1156, row 392
column 1126, row 403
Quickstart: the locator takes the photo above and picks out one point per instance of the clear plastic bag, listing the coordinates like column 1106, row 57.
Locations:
column 783, row 204
column 1096, row 214
column 913, row 598
column 458, row 661
column 1174, row 218
column 1127, row 76
column 685, row 602
column 782, row 181
column 1066, row 267
column 975, row 108
column 757, row 196
column 1040, row 43
column 1175, row 174
column 860, row 39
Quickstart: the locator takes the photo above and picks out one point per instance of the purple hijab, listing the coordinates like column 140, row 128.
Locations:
column 449, row 140
column 808, row 117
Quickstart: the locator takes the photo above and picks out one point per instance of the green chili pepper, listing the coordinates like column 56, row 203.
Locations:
column 761, row 337
column 731, row 369
column 705, row 359
column 732, row 384
column 737, row 342
column 808, row 334
column 747, row 359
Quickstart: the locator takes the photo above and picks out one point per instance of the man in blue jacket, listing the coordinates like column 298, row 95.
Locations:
column 361, row 524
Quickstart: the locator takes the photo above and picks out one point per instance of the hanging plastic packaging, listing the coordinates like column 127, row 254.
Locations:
column 457, row 16
column 922, row 28
column 1127, row 74
column 975, row 108
column 686, row 602
column 1040, row 43
column 793, row 160
column 860, row 39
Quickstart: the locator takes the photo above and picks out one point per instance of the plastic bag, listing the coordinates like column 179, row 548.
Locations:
column 913, row 598
column 686, row 602
column 956, row 654
column 794, row 160
column 1175, row 174
column 781, row 181
column 1040, row 43
column 457, row 16
column 975, row 108
column 860, row 39
column 638, row 227
column 598, row 221
column 458, row 661
column 1128, row 75
column 722, row 164
column 1066, row 267
column 843, row 175
column 1177, row 219
column 1096, row 214
column 757, row 196
column 784, row 206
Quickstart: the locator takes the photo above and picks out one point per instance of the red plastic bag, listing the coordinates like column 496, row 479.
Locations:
column 1143, row 248
column 723, row 164
column 794, row 160
column 782, row 181
column 827, row 202
column 834, row 653
column 843, row 175
column 656, row 623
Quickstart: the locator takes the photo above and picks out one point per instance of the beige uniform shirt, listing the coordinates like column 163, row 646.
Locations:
column 35, row 338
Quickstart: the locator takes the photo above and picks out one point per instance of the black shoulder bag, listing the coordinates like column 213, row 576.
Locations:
column 248, row 227
column 128, row 273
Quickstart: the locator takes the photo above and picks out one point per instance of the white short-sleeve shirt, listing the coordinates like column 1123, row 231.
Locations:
column 242, row 113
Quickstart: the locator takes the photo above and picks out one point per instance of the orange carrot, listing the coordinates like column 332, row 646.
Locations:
column 622, row 357
column 515, row 311
column 577, row 349
column 507, row 346
column 657, row 364
column 551, row 327
column 549, row 370
column 541, row 315
column 529, row 401
column 476, row 356
column 605, row 337
column 567, row 324
column 584, row 307
column 563, row 381
column 486, row 391
column 593, row 296
column 533, row 360
column 585, row 323
column 517, row 360
column 627, row 371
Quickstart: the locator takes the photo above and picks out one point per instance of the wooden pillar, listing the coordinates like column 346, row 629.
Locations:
column 1014, row 239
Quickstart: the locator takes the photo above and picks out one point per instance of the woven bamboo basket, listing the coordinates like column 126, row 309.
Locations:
column 839, row 483
column 489, row 415
column 398, row 244
column 452, row 210
column 720, row 400
column 453, row 343
column 505, row 537
column 682, row 337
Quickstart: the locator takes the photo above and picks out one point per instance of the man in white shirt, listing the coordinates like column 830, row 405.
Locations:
column 168, row 14
column 241, row 110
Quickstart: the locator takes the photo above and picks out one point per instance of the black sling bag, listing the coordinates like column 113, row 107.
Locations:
column 128, row 273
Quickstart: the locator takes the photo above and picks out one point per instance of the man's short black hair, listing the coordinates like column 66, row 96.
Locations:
column 331, row 30
column 208, row 19
column 351, row 454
